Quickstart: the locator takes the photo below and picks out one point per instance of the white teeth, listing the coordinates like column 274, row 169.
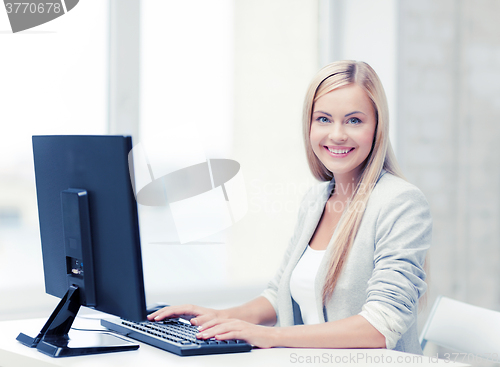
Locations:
column 339, row 151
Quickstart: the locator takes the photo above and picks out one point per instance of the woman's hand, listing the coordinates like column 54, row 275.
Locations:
column 201, row 314
column 223, row 329
column 214, row 323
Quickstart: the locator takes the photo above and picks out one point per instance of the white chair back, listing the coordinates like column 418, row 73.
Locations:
column 464, row 328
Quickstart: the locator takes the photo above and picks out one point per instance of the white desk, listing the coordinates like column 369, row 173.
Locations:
column 13, row 353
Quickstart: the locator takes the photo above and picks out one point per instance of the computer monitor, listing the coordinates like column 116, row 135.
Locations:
column 90, row 236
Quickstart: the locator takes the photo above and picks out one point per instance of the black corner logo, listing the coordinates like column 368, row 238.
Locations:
column 26, row 15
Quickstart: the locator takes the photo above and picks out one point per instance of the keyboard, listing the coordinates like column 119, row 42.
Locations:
column 175, row 336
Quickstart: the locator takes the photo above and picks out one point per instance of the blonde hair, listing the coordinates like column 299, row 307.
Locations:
column 333, row 76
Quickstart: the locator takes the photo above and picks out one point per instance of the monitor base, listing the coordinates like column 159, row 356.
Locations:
column 54, row 340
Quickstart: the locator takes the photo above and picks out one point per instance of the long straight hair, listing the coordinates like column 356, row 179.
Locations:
column 331, row 77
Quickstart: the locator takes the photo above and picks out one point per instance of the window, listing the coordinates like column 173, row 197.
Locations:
column 54, row 81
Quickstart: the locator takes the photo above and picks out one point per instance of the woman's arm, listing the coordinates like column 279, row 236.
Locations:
column 352, row 332
column 403, row 236
column 259, row 311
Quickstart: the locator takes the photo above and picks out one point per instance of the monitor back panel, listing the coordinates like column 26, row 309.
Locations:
column 98, row 164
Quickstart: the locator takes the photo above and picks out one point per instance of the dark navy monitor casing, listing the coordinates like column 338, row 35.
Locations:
column 98, row 165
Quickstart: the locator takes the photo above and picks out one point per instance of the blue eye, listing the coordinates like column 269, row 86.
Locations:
column 354, row 121
column 322, row 119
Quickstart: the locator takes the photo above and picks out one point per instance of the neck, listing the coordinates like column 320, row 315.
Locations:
column 346, row 183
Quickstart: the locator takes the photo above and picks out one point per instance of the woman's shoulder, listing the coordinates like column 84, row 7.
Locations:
column 391, row 188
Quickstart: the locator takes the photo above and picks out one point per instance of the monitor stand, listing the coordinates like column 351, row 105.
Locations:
column 54, row 341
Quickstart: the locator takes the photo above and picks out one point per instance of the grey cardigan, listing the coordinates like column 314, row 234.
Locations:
column 383, row 276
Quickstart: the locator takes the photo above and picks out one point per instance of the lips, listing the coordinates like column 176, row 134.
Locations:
column 339, row 152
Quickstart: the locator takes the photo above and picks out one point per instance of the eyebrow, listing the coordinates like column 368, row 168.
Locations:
column 352, row 113
column 349, row 114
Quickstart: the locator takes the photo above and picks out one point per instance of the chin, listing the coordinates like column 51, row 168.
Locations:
column 344, row 171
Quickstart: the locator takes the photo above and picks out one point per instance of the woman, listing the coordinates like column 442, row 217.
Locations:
column 353, row 271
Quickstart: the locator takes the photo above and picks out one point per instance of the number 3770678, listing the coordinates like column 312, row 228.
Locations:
column 33, row 8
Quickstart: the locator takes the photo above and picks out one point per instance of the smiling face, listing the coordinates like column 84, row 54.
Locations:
column 342, row 129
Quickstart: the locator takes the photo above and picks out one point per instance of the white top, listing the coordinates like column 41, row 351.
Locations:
column 383, row 276
column 302, row 283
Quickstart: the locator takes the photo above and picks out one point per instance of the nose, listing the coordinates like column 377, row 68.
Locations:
column 337, row 133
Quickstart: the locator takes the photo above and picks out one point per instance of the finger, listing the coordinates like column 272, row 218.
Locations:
column 218, row 328
column 173, row 311
column 165, row 310
column 154, row 314
column 160, row 315
column 202, row 319
column 229, row 335
column 211, row 322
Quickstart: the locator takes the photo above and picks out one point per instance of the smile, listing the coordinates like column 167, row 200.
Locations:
column 339, row 152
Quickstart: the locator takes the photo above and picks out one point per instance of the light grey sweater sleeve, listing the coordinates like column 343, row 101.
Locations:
column 403, row 236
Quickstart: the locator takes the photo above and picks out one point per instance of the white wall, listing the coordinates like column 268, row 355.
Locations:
column 449, row 77
column 276, row 55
